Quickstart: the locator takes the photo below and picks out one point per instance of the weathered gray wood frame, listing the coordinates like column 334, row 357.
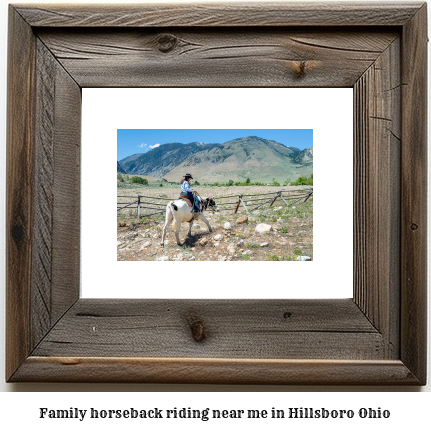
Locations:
column 378, row 337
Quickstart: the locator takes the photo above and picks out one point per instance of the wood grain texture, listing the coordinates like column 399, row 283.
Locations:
column 413, row 193
column 67, row 194
column 55, row 279
column 19, row 199
column 54, row 336
column 43, row 194
column 220, row 14
column 215, row 371
column 268, row 329
column 226, row 58
column 377, row 146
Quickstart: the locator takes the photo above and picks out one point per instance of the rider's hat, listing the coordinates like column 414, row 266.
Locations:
column 188, row 176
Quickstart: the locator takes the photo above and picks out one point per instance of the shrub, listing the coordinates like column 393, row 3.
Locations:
column 120, row 177
column 303, row 181
column 252, row 245
column 139, row 180
column 230, row 183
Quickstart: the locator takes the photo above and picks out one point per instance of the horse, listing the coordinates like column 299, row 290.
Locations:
column 179, row 212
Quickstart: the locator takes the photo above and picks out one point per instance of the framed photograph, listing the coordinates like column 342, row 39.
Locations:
column 375, row 337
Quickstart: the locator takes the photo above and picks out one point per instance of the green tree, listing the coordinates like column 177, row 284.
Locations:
column 303, row 181
column 247, row 181
column 120, row 177
column 230, row 183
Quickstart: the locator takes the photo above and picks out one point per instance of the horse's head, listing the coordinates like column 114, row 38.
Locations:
column 211, row 204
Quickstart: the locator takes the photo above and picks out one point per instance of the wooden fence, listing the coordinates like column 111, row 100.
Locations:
column 144, row 204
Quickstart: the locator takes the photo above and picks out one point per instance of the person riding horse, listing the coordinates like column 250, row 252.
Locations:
column 187, row 192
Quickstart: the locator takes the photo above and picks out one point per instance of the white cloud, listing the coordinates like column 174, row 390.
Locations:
column 154, row 146
column 142, row 145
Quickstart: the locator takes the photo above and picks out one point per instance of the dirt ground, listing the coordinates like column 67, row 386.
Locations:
column 234, row 236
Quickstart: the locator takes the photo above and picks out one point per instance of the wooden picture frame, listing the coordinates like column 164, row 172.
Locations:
column 378, row 337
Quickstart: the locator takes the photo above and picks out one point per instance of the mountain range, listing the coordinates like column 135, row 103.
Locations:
column 161, row 160
column 249, row 157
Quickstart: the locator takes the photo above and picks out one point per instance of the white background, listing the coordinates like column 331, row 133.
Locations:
column 329, row 112
column 411, row 410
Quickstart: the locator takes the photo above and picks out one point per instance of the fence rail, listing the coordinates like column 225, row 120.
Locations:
column 141, row 202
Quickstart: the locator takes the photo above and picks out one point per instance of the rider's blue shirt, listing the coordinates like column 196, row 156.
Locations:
column 185, row 187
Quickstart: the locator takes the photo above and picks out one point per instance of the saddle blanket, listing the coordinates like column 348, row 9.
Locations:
column 185, row 198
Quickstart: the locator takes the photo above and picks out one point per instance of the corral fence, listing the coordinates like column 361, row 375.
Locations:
column 145, row 204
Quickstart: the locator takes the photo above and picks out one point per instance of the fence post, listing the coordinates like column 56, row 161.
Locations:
column 239, row 203
column 278, row 194
column 244, row 204
column 139, row 207
column 284, row 200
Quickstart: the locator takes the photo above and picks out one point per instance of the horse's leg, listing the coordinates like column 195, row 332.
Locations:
column 190, row 228
column 203, row 218
column 177, row 234
column 168, row 219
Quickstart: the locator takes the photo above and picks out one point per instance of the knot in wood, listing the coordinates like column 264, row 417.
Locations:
column 197, row 328
column 414, row 226
column 167, row 42
column 299, row 68
column 18, row 233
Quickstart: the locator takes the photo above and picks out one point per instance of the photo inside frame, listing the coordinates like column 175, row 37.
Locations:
column 249, row 196
column 222, row 114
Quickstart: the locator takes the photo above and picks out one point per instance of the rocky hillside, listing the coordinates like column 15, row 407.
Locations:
column 304, row 157
column 250, row 157
column 161, row 160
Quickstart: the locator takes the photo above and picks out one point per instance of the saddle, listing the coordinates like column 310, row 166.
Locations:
column 185, row 198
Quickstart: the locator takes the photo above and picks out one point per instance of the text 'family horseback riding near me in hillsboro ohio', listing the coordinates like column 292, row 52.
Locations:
column 207, row 414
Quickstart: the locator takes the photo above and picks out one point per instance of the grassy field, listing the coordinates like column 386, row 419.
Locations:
column 290, row 237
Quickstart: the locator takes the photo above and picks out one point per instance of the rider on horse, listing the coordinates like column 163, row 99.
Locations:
column 187, row 192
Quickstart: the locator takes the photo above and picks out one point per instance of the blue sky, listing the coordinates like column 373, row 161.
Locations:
column 134, row 141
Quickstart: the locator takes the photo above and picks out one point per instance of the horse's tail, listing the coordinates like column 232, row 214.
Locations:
column 173, row 208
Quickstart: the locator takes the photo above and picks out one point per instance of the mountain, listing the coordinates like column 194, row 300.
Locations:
column 250, row 157
column 161, row 160
column 120, row 169
column 304, row 157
